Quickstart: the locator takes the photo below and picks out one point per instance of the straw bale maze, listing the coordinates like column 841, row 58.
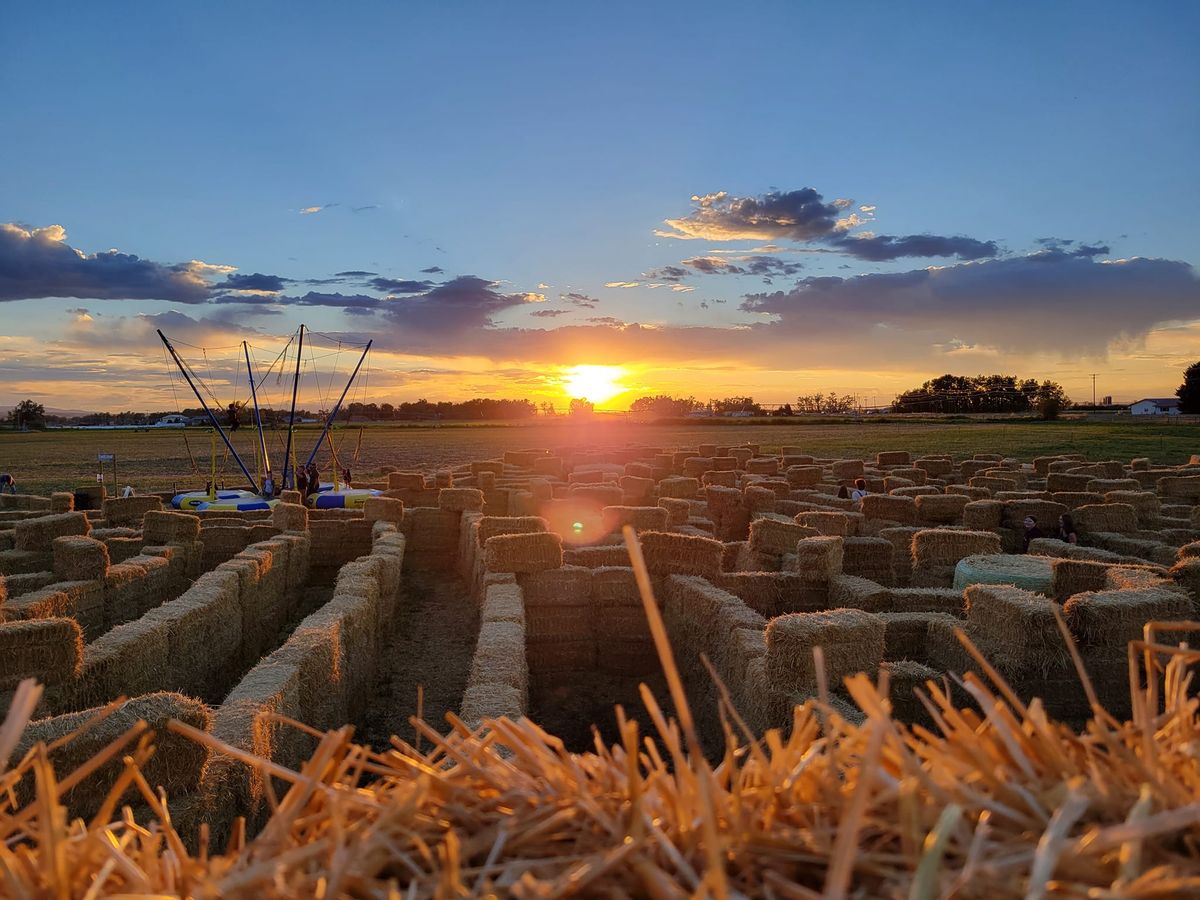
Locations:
column 504, row 588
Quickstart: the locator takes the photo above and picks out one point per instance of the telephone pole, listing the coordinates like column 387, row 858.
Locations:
column 1093, row 389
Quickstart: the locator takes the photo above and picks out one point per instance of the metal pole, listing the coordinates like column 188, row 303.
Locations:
column 287, row 453
column 338, row 405
column 262, row 439
column 212, row 418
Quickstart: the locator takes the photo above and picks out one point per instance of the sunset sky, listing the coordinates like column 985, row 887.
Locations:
column 774, row 199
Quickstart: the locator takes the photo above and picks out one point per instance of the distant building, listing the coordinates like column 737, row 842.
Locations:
column 1168, row 406
column 172, row 421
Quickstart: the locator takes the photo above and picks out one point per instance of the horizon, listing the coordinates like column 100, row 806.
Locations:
column 532, row 203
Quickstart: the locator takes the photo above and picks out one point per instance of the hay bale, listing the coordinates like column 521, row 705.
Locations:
column 502, row 603
column 129, row 510
column 405, row 481
column 828, row 523
column 566, row 586
column 1076, row 576
column 679, row 510
column 680, row 554
column 679, row 487
column 50, row 650
column 868, row 557
column 290, row 516
column 78, row 558
column 531, row 552
column 1062, row 481
column 776, row 537
column 890, row 508
column 177, row 765
column 642, row 518
column 852, row 641
column 500, row 656
column 847, row 469
column 170, row 527
column 1116, row 518
column 615, row 586
column 852, row 592
column 927, row 599
column 491, row 700
column 1032, row 573
column 1114, row 618
column 906, row 634
column 384, row 509
column 550, row 658
column 940, row 509
column 1017, row 628
column 942, row 547
column 460, row 499
column 37, row 535
column 62, row 501
column 38, row 603
column 597, row 557
column 893, row 458
column 935, row 467
column 492, row 526
column 130, row 659
column 819, row 559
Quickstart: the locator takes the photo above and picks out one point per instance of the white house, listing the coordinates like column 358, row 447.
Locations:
column 1168, row 406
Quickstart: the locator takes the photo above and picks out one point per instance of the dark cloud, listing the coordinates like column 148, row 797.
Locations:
column 353, row 273
column 254, row 282
column 880, row 248
column 461, row 306
column 549, row 313
column 346, row 302
column 667, row 273
column 605, row 320
column 400, row 286
column 433, row 270
column 577, row 299
column 38, row 262
column 1056, row 249
column 801, row 215
column 359, row 209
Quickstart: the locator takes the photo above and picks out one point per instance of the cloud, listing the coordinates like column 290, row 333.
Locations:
column 605, row 320
column 800, row 215
column 880, row 248
column 358, row 273
column 400, row 286
column 577, row 299
column 433, row 270
column 549, row 313
column 463, row 306
column 359, row 209
column 621, row 284
column 313, row 210
column 764, row 266
column 667, row 273
column 38, row 262
column 255, row 282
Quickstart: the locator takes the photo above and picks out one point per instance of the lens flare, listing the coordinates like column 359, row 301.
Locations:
column 596, row 384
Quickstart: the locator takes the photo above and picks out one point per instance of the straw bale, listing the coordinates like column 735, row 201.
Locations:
column 696, row 466
column 828, row 523
column 491, row 700
column 1135, row 578
column 1075, row 499
column 597, row 557
column 37, row 535
column 915, row 491
column 601, row 494
column 1175, row 486
column 993, row 484
column 130, row 659
column 642, row 518
column 893, row 458
column 852, row 592
column 503, row 603
column 762, row 465
column 566, row 586
column 1109, row 469
column 722, row 479
column 531, row 552
column 852, row 641
column 405, row 481
column 129, row 510
column 845, row 469
column 944, row 651
column 560, row 622
column 633, row 486
column 1146, row 503
column 749, row 560
column 1028, row 572
column 615, row 586
column 741, row 454
column 893, row 509
column 1046, row 512
column 460, row 499
column 819, row 559
column 492, row 526
column 169, row 527
column 935, row 467
column 940, row 509
column 914, row 474
column 628, row 658
column 39, row 603
column 1186, row 574
column 50, row 650
column 204, row 629
column 500, row 657
column 679, row 487
column 927, row 599
column 971, row 493
column 620, row 623
column 771, row 536
column 944, row 547
column 1119, row 518
column 1114, row 618
column 723, row 463
column 679, row 510
column 548, row 465
column 176, row 766
column 1076, row 576
column 1018, row 626
column 1105, row 485
column 79, row 558
column 1062, row 481
column 547, row 658
column 679, row 554
column 773, row 593
column 906, row 634
column 869, row 557
column 62, row 501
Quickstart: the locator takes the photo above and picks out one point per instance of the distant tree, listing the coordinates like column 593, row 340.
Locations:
column 662, row 406
column 546, row 408
column 581, row 408
column 829, row 404
column 736, row 405
column 979, row 394
column 1050, row 400
column 1189, row 392
column 27, row 414
column 785, row 410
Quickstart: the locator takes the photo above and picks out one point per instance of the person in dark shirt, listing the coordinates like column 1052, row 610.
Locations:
column 302, row 482
column 1032, row 533
column 1066, row 529
column 8, row 484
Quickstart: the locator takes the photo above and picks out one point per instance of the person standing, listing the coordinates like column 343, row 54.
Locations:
column 860, row 489
column 1032, row 533
column 8, row 484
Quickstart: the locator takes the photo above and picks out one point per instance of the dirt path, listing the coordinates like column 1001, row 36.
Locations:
column 431, row 645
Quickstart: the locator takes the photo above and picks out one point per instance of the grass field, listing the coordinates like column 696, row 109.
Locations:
column 159, row 460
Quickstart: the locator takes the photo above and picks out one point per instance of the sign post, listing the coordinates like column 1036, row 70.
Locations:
column 102, row 458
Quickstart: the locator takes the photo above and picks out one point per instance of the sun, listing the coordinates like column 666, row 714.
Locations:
column 597, row 384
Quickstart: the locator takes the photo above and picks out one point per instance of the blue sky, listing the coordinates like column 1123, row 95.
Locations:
column 537, row 144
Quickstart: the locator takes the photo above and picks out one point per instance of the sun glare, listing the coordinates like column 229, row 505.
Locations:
column 597, row 384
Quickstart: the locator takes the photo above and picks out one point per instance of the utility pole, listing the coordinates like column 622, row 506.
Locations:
column 1093, row 389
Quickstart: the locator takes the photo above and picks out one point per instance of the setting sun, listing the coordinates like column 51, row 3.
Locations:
column 597, row 384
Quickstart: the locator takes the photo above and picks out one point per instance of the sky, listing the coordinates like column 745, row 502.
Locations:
column 541, row 200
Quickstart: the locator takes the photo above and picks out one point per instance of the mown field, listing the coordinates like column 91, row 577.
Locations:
column 160, row 460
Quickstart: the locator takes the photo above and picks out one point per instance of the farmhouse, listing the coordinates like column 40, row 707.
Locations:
column 1168, row 406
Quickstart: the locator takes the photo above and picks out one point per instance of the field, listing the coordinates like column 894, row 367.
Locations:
column 158, row 460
